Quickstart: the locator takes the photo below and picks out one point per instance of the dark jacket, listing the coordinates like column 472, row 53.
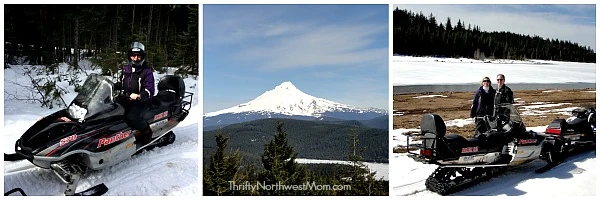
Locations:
column 505, row 95
column 483, row 103
column 139, row 80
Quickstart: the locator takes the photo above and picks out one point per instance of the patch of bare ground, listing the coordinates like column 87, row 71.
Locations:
column 457, row 105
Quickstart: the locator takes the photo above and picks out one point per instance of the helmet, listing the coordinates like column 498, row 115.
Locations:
column 137, row 48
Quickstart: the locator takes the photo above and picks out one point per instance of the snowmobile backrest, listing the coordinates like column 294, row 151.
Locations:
column 432, row 123
column 172, row 83
column 579, row 113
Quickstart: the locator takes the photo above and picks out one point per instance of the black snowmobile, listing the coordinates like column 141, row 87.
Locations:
column 579, row 130
column 91, row 134
column 465, row 161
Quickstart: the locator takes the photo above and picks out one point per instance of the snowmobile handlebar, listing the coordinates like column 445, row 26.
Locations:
column 483, row 117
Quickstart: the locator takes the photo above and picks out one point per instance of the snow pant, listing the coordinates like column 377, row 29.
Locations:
column 134, row 117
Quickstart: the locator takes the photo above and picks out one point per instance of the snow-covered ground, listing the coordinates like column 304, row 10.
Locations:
column 171, row 170
column 576, row 177
column 381, row 169
column 445, row 71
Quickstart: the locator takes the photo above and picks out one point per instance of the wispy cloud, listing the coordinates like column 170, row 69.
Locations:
column 325, row 45
column 277, row 41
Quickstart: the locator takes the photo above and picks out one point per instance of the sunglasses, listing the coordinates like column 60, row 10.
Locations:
column 486, row 81
column 499, row 79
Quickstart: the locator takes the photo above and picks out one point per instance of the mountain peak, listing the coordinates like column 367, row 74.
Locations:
column 286, row 99
column 286, row 86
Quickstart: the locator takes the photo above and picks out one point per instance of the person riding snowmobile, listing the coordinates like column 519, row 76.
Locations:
column 137, row 83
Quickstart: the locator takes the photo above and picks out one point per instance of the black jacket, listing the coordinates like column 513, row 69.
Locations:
column 139, row 80
column 505, row 95
column 483, row 103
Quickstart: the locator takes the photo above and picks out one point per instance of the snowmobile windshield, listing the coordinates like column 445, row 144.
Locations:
column 94, row 97
column 509, row 112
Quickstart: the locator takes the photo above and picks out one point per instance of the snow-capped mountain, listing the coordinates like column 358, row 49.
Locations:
column 287, row 101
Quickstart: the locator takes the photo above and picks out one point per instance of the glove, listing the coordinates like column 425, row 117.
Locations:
column 134, row 96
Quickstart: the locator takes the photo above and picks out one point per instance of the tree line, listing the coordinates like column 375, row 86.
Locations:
column 46, row 34
column 224, row 170
column 420, row 35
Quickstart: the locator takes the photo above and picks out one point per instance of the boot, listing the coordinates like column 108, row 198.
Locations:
column 143, row 136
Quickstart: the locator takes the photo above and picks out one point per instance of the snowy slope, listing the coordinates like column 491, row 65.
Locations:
column 288, row 100
column 170, row 170
column 442, row 71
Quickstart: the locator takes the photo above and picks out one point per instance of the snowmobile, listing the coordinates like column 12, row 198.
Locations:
column 579, row 130
column 463, row 162
column 91, row 133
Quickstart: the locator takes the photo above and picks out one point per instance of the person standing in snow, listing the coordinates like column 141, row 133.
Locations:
column 504, row 93
column 137, row 83
column 483, row 104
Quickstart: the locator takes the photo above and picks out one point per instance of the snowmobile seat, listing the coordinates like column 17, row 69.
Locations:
column 171, row 89
column 575, row 121
column 173, row 84
column 432, row 123
column 579, row 113
column 461, row 141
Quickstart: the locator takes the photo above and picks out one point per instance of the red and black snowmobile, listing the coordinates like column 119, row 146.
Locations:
column 579, row 130
column 463, row 162
column 91, row 134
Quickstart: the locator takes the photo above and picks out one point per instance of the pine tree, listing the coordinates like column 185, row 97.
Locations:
column 222, row 170
column 448, row 24
column 280, row 167
column 360, row 178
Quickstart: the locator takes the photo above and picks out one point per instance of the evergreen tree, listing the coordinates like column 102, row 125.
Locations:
column 222, row 170
column 360, row 178
column 280, row 167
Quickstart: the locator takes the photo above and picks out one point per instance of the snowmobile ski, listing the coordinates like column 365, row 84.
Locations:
column 547, row 167
column 13, row 157
column 14, row 190
column 97, row 190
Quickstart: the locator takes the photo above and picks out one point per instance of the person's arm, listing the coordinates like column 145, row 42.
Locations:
column 510, row 97
column 475, row 104
column 148, row 91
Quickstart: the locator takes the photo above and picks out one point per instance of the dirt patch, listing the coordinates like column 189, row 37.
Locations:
column 408, row 110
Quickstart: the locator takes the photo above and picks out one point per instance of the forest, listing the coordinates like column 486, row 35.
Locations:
column 418, row 35
column 323, row 140
column 277, row 165
column 49, row 34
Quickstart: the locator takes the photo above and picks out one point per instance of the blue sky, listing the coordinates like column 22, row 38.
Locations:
column 336, row 52
column 575, row 22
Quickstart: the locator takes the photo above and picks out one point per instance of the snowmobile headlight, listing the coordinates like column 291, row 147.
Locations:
column 77, row 112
